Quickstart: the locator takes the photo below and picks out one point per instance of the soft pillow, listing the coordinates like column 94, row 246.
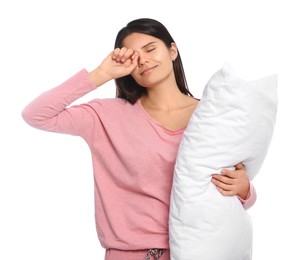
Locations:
column 232, row 123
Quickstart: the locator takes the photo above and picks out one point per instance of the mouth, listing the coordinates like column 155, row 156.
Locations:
column 147, row 71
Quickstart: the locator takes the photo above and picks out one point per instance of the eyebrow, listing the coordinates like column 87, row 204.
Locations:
column 144, row 46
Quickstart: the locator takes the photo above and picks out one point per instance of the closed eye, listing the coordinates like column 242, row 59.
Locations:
column 152, row 49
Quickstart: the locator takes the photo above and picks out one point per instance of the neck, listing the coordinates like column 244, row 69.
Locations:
column 163, row 98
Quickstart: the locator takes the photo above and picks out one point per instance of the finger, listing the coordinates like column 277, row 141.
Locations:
column 115, row 53
column 134, row 59
column 229, row 173
column 221, row 178
column 130, row 64
column 127, row 55
column 118, row 53
column 239, row 166
column 135, row 56
column 222, row 183
column 127, row 63
column 121, row 53
column 225, row 192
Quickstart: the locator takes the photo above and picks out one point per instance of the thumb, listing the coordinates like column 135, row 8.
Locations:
column 135, row 57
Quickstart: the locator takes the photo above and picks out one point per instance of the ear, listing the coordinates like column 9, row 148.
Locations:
column 173, row 51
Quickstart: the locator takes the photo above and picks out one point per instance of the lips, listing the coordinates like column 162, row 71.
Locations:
column 146, row 70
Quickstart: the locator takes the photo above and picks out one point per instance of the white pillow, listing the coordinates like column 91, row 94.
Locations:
column 232, row 123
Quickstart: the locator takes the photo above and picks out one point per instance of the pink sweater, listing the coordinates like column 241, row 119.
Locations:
column 133, row 161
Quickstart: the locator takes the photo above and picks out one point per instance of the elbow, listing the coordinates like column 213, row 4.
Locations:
column 26, row 115
column 30, row 117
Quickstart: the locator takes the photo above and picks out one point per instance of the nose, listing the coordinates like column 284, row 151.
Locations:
column 142, row 60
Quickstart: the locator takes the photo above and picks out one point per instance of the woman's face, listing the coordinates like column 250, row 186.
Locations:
column 155, row 59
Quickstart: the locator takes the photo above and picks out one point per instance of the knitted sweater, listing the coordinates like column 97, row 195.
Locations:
column 133, row 161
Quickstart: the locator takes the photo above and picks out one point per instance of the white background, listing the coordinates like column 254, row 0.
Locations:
column 46, row 181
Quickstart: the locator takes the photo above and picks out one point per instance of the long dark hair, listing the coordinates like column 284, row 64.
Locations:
column 126, row 87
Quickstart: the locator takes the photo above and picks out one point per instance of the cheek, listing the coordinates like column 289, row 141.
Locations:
column 167, row 60
column 135, row 73
column 135, row 76
column 162, row 57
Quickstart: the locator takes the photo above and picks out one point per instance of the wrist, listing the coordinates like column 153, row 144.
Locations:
column 244, row 195
column 98, row 77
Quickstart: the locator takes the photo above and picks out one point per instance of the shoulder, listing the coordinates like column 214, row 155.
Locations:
column 118, row 102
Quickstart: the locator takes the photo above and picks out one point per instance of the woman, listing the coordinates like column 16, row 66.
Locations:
column 133, row 138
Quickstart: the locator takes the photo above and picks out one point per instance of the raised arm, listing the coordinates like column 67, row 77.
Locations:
column 49, row 110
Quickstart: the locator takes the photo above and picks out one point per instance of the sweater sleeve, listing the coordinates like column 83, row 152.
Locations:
column 49, row 110
column 251, row 198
